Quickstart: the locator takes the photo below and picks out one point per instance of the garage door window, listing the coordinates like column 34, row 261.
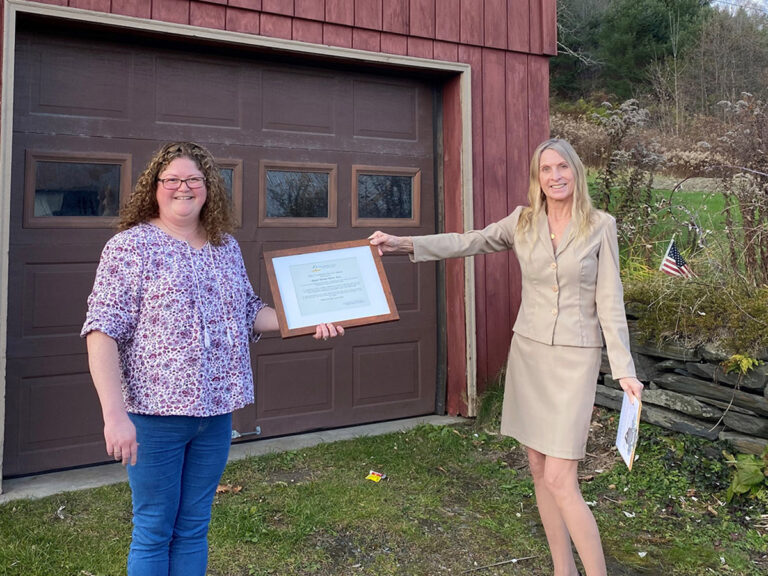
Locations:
column 294, row 194
column 74, row 190
column 384, row 196
column 232, row 174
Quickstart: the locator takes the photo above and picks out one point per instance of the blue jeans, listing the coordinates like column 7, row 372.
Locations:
column 179, row 464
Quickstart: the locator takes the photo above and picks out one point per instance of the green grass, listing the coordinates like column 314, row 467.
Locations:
column 455, row 498
column 707, row 210
column 673, row 212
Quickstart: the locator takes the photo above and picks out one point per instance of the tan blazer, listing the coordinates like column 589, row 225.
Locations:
column 567, row 296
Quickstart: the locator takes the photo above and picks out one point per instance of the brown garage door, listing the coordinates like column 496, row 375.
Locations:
column 314, row 154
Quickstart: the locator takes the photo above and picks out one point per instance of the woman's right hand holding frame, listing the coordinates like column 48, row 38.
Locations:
column 389, row 244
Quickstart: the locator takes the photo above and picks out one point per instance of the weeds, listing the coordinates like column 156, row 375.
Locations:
column 456, row 498
column 750, row 475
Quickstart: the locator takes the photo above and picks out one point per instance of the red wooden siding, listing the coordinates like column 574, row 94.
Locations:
column 276, row 26
column 515, row 25
column 394, row 44
column 246, row 4
column 518, row 157
column 171, row 11
column 368, row 14
column 447, row 23
column 394, row 16
column 506, row 42
column 208, row 15
column 496, row 206
column 454, row 269
column 244, row 21
column 495, row 24
column 277, row 6
column 340, row 12
column 313, row 9
column 135, row 8
column 519, row 26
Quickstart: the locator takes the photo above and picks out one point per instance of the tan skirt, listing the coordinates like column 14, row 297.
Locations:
column 548, row 396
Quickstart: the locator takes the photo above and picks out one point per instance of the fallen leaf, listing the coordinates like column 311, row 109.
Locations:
column 224, row 488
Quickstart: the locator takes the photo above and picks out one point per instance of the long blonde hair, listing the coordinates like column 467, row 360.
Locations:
column 216, row 214
column 582, row 211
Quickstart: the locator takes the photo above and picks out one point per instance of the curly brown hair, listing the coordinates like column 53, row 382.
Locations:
column 216, row 214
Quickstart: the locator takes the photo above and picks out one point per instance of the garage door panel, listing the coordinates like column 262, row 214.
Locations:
column 186, row 88
column 392, row 410
column 403, row 279
column 50, row 287
column 386, row 373
column 61, row 77
column 385, row 110
column 290, row 102
column 45, row 403
column 294, row 383
column 50, row 311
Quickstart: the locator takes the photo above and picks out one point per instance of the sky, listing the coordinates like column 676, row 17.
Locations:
column 760, row 5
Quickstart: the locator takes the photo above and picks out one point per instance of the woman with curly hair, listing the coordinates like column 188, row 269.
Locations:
column 569, row 258
column 168, row 328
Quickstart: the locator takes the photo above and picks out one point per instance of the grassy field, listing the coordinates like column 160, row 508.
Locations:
column 455, row 500
column 674, row 210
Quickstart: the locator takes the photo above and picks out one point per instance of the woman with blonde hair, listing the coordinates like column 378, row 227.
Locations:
column 169, row 323
column 571, row 293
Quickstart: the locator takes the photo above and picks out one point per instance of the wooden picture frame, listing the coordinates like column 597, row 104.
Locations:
column 341, row 283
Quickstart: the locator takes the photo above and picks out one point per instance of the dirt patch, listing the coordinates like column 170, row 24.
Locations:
column 601, row 445
column 761, row 561
column 289, row 477
column 601, row 451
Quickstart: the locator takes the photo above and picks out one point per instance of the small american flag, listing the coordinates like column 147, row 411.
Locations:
column 673, row 262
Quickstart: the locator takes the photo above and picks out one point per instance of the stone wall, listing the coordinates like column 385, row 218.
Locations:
column 688, row 391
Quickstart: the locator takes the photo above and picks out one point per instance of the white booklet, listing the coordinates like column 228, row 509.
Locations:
column 629, row 426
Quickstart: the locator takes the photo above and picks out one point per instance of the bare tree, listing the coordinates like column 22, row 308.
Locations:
column 731, row 58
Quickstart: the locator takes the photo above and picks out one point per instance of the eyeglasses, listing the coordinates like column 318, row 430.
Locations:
column 175, row 183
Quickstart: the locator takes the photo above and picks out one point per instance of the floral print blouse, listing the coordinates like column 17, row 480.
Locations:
column 182, row 319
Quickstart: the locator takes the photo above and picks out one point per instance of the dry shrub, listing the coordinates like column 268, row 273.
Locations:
column 585, row 134
column 700, row 160
column 744, row 148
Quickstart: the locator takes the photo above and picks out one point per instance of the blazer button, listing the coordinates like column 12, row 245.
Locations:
column 555, row 288
column 553, row 265
column 554, row 311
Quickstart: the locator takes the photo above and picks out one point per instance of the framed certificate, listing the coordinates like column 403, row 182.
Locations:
column 341, row 283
